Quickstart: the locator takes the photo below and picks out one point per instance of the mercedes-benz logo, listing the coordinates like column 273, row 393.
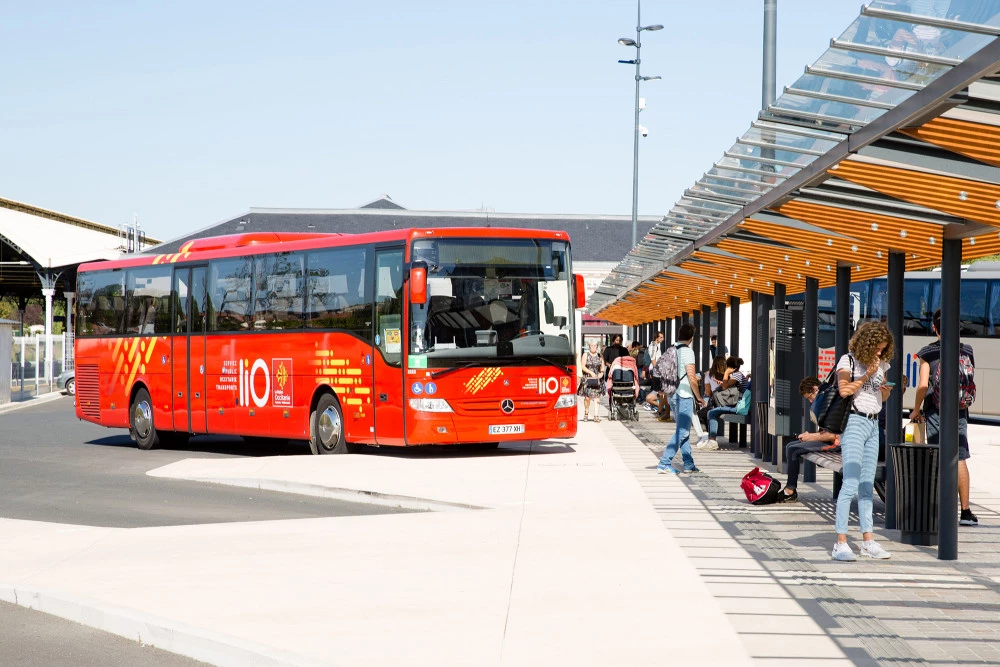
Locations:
column 507, row 406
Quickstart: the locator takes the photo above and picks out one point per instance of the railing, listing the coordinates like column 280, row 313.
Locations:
column 29, row 359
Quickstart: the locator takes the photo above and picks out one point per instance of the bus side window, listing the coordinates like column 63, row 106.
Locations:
column 147, row 299
column 994, row 313
column 972, row 301
column 230, row 293
column 278, row 291
column 916, row 308
column 181, row 301
column 389, row 304
column 98, row 293
column 336, row 295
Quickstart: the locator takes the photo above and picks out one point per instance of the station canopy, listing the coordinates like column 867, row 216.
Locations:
column 890, row 142
column 40, row 248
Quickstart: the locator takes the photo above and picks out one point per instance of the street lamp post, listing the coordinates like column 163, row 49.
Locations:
column 637, row 43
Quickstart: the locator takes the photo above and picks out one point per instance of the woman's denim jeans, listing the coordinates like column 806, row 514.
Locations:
column 859, row 452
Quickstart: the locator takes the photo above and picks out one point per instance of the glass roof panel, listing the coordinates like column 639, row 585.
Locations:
column 925, row 39
column 798, row 103
column 778, row 138
column 888, row 68
column 767, row 178
column 755, row 155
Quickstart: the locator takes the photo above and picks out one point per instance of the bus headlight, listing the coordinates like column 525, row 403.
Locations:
column 430, row 405
column 566, row 401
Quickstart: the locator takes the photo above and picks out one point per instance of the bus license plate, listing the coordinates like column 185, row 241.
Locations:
column 506, row 429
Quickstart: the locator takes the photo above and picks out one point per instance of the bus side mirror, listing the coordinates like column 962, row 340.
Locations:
column 581, row 294
column 418, row 285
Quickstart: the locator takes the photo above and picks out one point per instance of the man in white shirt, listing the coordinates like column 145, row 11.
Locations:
column 682, row 403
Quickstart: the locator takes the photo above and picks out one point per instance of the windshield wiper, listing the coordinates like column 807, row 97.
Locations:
column 499, row 361
column 461, row 367
column 564, row 369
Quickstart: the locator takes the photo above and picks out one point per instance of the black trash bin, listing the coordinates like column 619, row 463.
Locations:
column 916, row 472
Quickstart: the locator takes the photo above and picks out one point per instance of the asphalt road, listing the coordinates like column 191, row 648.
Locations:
column 56, row 468
column 32, row 638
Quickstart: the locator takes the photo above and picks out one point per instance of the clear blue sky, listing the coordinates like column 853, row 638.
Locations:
column 188, row 113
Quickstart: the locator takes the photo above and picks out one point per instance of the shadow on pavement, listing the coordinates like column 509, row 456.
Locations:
column 260, row 447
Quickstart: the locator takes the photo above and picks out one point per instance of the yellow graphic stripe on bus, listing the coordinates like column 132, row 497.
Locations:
column 149, row 350
column 118, row 345
column 353, row 401
column 118, row 367
column 482, row 379
column 362, row 391
column 131, row 378
column 131, row 352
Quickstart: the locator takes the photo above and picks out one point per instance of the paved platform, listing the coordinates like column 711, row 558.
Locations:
column 770, row 568
column 537, row 554
column 571, row 552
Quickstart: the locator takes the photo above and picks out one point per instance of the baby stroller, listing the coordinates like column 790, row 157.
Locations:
column 623, row 389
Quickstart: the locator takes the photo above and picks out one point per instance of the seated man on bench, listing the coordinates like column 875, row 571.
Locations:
column 807, row 442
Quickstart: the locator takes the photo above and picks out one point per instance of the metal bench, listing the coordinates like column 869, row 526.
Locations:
column 734, row 419
column 833, row 462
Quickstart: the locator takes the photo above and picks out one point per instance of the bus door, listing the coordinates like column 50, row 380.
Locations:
column 387, row 361
column 189, row 371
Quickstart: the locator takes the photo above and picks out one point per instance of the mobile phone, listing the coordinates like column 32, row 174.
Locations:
column 888, row 384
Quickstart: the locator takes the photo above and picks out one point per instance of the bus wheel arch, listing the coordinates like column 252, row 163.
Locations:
column 327, row 434
column 141, row 424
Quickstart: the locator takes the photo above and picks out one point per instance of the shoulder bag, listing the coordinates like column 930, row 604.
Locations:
column 832, row 409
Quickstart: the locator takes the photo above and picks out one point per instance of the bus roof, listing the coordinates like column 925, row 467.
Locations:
column 214, row 247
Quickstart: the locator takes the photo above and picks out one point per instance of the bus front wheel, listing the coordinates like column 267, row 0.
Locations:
column 141, row 421
column 326, row 427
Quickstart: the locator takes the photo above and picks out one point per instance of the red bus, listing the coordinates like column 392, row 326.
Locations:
column 409, row 337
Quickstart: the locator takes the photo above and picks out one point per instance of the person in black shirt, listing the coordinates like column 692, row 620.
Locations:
column 615, row 350
column 926, row 410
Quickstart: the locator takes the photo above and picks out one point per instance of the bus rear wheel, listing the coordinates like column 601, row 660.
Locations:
column 326, row 428
column 141, row 421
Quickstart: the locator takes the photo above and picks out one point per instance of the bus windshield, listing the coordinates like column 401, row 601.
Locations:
column 490, row 298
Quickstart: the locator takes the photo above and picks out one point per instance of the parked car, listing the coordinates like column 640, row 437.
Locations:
column 67, row 382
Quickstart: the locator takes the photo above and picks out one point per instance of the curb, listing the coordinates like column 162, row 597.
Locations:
column 44, row 398
column 335, row 493
column 211, row 647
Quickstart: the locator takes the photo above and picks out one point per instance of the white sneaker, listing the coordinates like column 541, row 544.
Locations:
column 873, row 549
column 841, row 551
column 710, row 445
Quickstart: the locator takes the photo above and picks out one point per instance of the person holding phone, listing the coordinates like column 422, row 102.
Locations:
column 861, row 374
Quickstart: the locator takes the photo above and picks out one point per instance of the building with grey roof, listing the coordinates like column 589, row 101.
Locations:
column 595, row 238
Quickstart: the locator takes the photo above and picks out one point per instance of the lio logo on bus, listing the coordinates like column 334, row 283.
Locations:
column 252, row 376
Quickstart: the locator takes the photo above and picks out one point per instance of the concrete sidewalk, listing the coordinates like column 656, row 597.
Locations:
column 567, row 563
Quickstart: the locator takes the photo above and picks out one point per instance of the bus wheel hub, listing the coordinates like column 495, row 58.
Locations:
column 330, row 428
column 142, row 419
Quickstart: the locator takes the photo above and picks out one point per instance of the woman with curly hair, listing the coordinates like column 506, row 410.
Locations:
column 861, row 376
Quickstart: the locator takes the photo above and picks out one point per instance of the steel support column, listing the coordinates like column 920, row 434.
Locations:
column 734, row 322
column 843, row 299
column 720, row 326
column 811, row 366
column 706, row 338
column 894, row 406
column 696, row 343
column 951, row 278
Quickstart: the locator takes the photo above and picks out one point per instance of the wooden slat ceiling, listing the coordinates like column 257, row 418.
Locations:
column 960, row 197
column 975, row 140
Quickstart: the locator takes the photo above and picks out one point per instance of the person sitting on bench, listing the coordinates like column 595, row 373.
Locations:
column 807, row 442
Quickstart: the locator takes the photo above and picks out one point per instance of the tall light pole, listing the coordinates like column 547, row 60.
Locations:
column 637, row 43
